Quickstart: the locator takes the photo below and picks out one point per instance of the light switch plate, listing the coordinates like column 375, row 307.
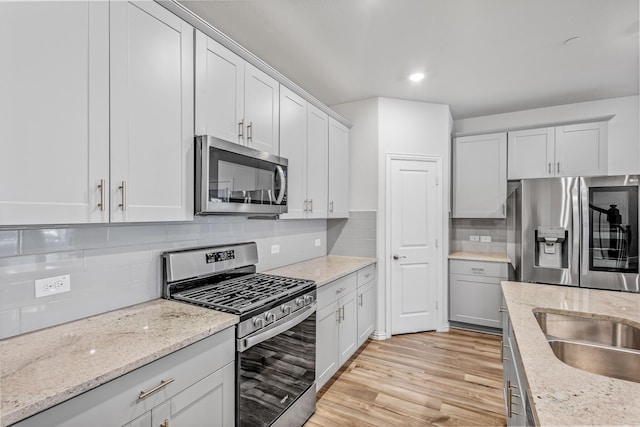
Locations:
column 52, row 285
column 318, row 242
column 474, row 238
column 485, row 239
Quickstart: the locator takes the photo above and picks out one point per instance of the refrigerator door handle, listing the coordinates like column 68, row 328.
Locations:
column 583, row 226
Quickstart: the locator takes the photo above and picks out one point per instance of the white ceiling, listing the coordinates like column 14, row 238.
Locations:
column 480, row 56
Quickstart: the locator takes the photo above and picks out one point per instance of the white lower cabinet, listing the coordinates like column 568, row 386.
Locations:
column 344, row 321
column 474, row 292
column 191, row 387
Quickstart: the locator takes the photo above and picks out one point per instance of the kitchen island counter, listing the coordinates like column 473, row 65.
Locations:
column 43, row 368
column 324, row 269
column 561, row 394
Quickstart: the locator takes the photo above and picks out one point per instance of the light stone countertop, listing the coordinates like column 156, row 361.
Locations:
column 480, row 256
column 563, row 395
column 43, row 368
column 324, row 269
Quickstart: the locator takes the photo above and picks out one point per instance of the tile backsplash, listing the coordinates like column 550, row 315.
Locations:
column 462, row 229
column 113, row 266
column 355, row 236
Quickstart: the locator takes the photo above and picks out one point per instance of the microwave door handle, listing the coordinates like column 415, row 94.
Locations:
column 283, row 185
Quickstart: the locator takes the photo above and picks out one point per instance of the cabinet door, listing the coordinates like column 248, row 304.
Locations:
column 475, row 300
column 207, row 403
column 54, row 82
column 338, row 170
column 326, row 343
column 531, row 153
column 317, row 161
column 480, row 176
column 151, row 114
column 261, row 110
column 219, row 94
column 293, row 146
column 366, row 311
column 581, row 150
column 348, row 327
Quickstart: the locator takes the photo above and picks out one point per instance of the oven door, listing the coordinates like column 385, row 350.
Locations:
column 231, row 178
column 275, row 367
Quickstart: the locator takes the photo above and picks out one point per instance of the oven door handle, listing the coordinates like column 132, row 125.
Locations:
column 275, row 329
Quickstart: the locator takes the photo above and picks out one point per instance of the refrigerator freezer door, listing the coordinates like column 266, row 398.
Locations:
column 550, row 209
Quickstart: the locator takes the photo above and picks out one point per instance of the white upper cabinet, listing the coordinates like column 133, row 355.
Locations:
column 338, row 170
column 581, row 150
column 304, row 142
column 151, row 114
column 480, row 176
column 54, row 137
column 219, row 93
column 570, row 150
column 235, row 101
column 317, row 162
column 531, row 153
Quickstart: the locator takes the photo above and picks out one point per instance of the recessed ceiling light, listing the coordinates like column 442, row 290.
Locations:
column 416, row 77
column 572, row 40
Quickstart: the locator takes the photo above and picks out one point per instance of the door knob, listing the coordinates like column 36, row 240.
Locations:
column 396, row 257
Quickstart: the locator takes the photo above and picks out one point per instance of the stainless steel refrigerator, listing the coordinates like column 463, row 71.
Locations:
column 580, row 231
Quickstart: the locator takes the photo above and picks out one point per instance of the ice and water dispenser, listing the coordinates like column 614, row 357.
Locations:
column 551, row 247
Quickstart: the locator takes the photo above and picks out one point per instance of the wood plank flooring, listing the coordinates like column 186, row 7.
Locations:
column 429, row 378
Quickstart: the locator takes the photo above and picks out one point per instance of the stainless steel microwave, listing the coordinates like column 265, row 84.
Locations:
column 234, row 179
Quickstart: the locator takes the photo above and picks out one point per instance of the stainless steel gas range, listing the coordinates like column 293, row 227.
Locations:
column 276, row 335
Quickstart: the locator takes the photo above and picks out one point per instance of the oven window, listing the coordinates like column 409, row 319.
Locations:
column 274, row 373
column 613, row 229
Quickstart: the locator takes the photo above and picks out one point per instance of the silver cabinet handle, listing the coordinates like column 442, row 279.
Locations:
column 504, row 209
column 102, row 190
column 361, row 303
column 123, row 188
column 558, row 167
column 397, row 257
column 331, row 206
column 250, row 131
column 550, row 171
column 306, row 206
column 340, row 290
column 338, row 315
column 342, row 313
column 157, row 388
column 311, row 205
column 241, row 129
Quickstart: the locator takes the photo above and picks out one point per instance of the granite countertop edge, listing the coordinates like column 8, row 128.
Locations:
column 13, row 411
column 562, row 394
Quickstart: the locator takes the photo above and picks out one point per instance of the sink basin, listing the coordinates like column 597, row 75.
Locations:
column 591, row 330
column 598, row 359
column 600, row 346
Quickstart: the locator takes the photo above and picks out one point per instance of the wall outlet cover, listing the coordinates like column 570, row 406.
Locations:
column 52, row 285
column 275, row 249
column 485, row 239
column 318, row 242
column 474, row 238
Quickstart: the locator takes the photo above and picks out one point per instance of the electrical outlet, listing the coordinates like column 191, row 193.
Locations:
column 485, row 239
column 52, row 285
column 474, row 238
column 318, row 242
column 275, row 249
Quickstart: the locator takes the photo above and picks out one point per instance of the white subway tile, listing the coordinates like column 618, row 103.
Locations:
column 9, row 323
column 9, row 243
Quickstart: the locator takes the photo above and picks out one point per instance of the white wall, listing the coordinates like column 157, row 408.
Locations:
column 624, row 128
column 418, row 128
column 363, row 152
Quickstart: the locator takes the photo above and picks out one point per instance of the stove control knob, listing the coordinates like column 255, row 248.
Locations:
column 270, row 317
column 258, row 322
column 299, row 301
column 286, row 309
column 308, row 299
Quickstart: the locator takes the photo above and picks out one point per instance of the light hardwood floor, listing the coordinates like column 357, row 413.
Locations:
column 429, row 378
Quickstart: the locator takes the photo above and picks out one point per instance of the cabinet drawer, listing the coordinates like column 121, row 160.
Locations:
column 479, row 268
column 366, row 274
column 117, row 402
column 336, row 289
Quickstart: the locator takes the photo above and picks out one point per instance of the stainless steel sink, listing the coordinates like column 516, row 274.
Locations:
column 596, row 345
column 612, row 362
column 592, row 330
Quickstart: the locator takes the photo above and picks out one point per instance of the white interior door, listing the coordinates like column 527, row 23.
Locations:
column 413, row 210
